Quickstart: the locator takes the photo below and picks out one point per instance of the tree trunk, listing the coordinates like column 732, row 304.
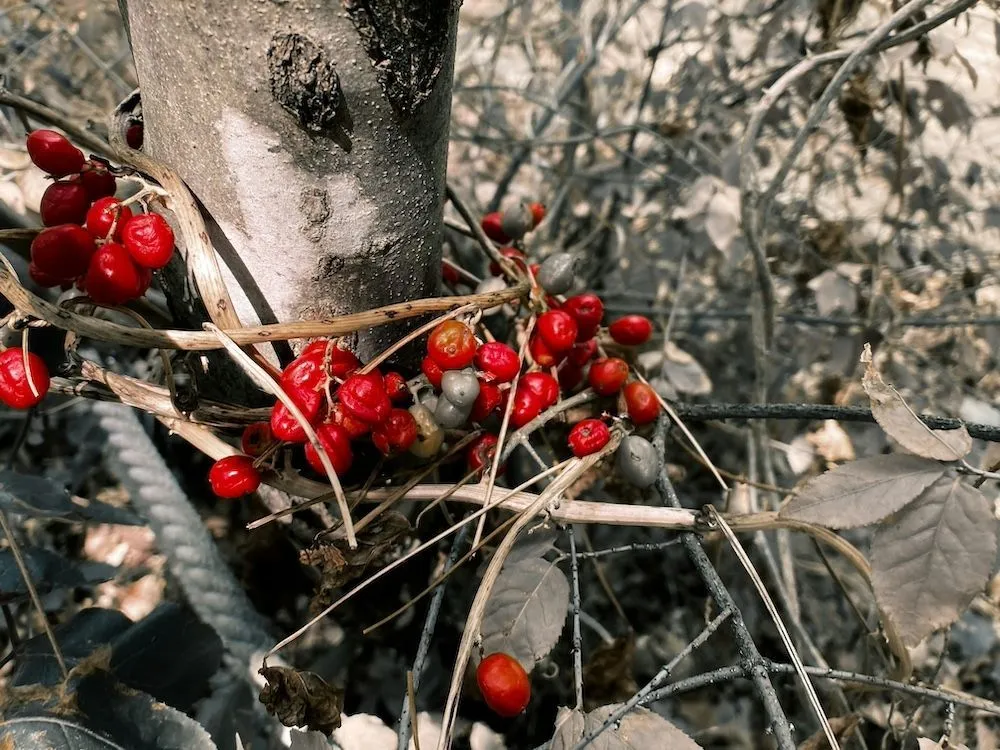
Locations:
column 315, row 134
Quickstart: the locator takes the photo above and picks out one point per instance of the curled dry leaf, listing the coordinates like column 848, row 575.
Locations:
column 526, row 613
column 933, row 557
column 862, row 492
column 900, row 423
column 640, row 729
column 608, row 675
column 301, row 699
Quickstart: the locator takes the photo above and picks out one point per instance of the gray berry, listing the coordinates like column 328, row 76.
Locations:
column 450, row 416
column 517, row 221
column 460, row 387
column 638, row 461
column 556, row 273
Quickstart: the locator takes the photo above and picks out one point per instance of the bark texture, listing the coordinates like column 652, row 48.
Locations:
column 315, row 134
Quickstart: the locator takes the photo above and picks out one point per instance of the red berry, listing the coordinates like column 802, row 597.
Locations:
column 542, row 385
column 63, row 252
column 364, row 397
column 608, row 375
column 64, row 202
column 15, row 390
column 537, row 213
column 640, row 399
column 304, row 372
column 53, row 153
column 583, row 352
column 489, row 398
column 105, row 213
column 149, row 239
column 541, row 353
column 355, row 427
column 133, row 135
column 481, row 453
column 452, row 345
column 504, row 684
column 397, row 433
column 395, row 388
column 558, row 330
column 570, row 376
column 432, row 371
column 97, row 180
column 587, row 310
column 491, row 225
column 498, row 360
column 233, row 476
column 588, row 436
column 449, row 274
column 340, row 362
column 256, row 438
column 527, row 406
column 631, row 330
column 512, row 253
column 42, row 278
column 284, row 425
column 113, row 278
column 337, row 444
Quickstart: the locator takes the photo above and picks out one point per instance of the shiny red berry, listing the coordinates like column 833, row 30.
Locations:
column 149, row 240
column 498, row 360
column 354, row 426
column 113, row 278
column 504, row 684
column 63, row 252
column 541, row 353
column 338, row 361
column 304, row 372
column 582, row 352
column 396, row 434
column 15, row 390
column 133, row 136
column 51, row 152
column 337, row 444
column 631, row 330
column 558, row 330
column 481, row 453
column 364, row 397
column 542, row 385
column 452, row 345
column 233, row 476
column 527, row 406
column 105, row 214
column 489, row 398
column 256, row 438
column 588, row 436
column 64, row 202
column 587, row 310
column 395, row 388
column 608, row 375
column 97, row 180
column 537, row 213
column 43, row 278
column 640, row 399
column 511, row 253
column 491, row 225
column 284, row 425
column 432, row 371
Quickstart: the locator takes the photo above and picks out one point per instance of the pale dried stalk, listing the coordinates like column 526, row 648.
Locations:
column 265, row 380
column 102, row 330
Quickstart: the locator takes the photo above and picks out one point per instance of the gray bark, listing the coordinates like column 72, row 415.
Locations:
column 315, row 134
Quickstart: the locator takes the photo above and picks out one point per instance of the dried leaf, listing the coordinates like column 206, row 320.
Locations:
column 928, row 744
column 902, row 425
column 533, row 542
column 722, row 221
column 640, row 729
column 48, row 571
column 862, row 492
column 832, row 442
column 800, row 455
column 684, row 372
column 607, row 676
column 843, row 727
column 301, row 699
column 527, row 610
column 933, row 557
column 834, row 293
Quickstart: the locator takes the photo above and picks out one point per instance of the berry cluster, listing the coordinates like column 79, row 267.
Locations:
column 91, row 238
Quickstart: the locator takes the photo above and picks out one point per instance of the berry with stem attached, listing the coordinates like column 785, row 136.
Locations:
column 63, row 252
column 106, row 213
column 364, row 397
column 395, row 388
column 337, row 444
column 504, row 684
column 233, row 476
column 542, row 385
column 498, row 361
column 97, row 180
column 113, row 278
column 641, row 402
column 588, row 436
column 481, row 453
column 588, row 310
column 149, row 240
column 396, row 434
column 558, row 330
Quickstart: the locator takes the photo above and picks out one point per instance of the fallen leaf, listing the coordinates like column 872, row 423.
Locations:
column 639, row 729
column 298, row 698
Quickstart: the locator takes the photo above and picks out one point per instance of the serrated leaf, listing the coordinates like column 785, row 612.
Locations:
column 39, row 498
column 527, row 610
column 862, row 492
column 640, row 729
column 48, row 571
column 533, row 542
column 901, row 424
column 933, row 557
